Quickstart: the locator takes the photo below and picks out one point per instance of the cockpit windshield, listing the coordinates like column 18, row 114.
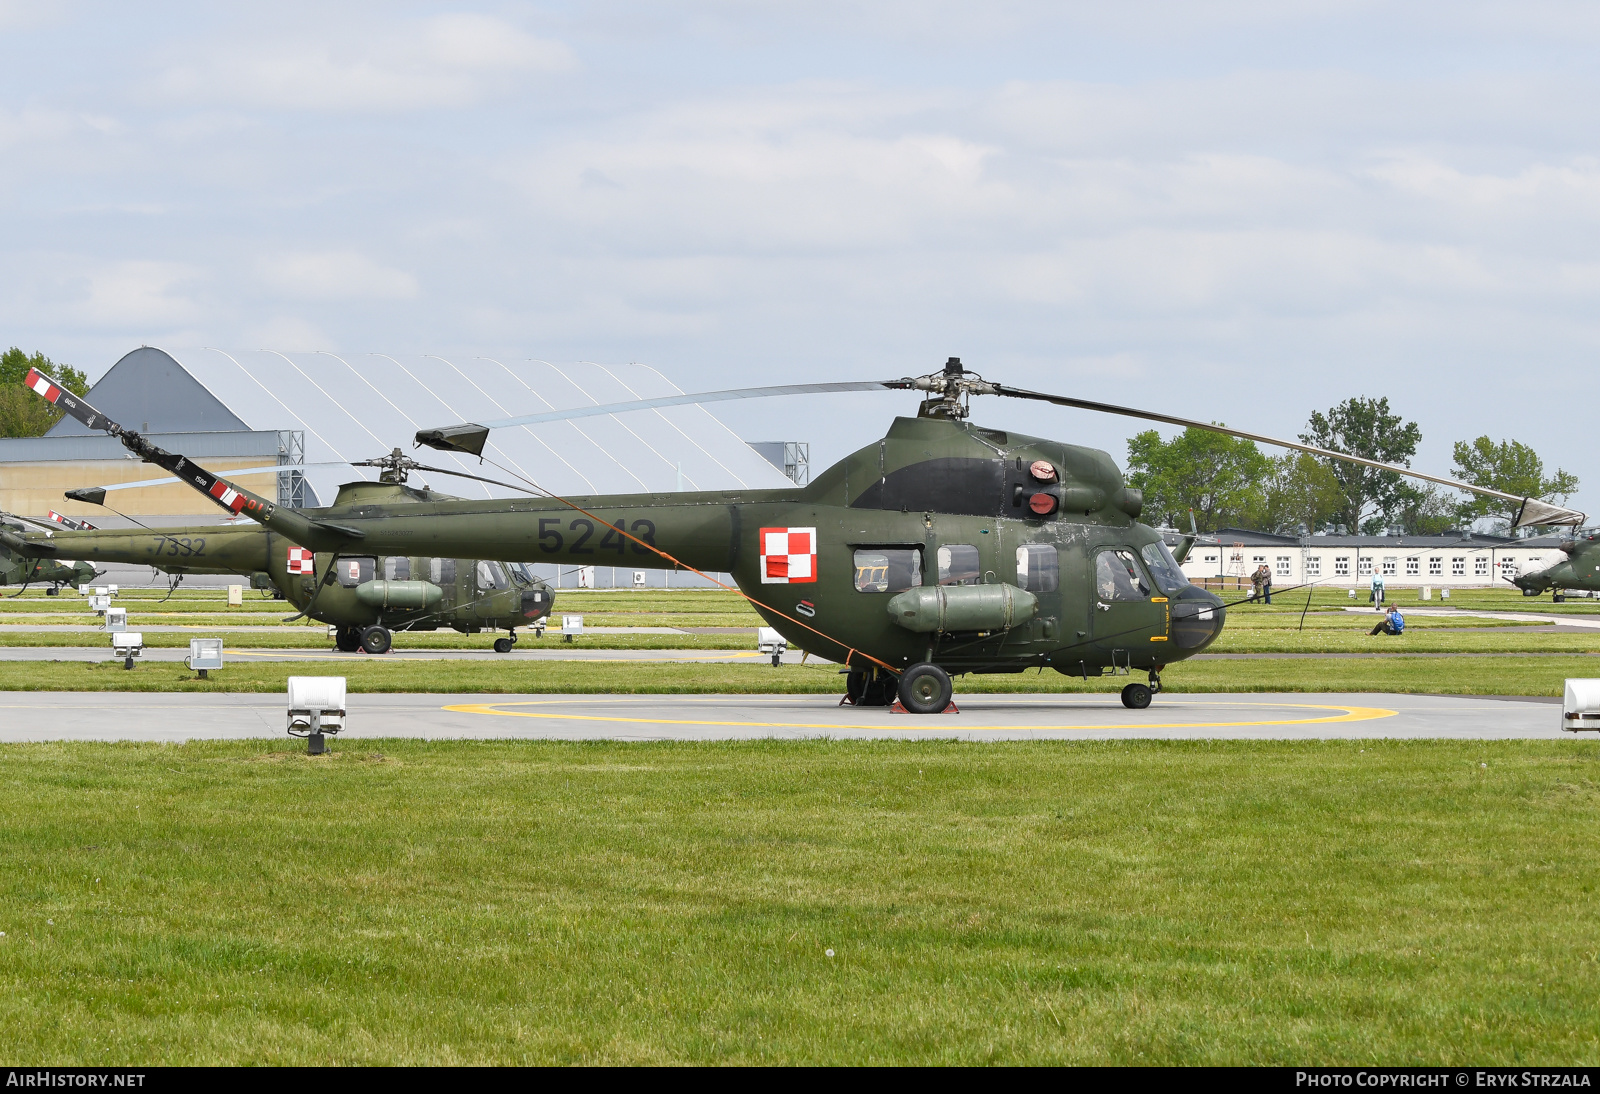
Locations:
column 520, row 573
column 1164, row 568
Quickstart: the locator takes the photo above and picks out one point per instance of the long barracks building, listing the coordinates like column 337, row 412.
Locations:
column 1448, row 560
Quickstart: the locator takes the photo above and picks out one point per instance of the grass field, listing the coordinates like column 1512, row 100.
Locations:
column 801, row 902
column 1508, row 674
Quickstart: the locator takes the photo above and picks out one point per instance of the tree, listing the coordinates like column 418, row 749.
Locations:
column 23, row 413
column 1365, row 427
column 1220, row 478
column 1428, row 510
column 1301, row 495
column 1511, row 467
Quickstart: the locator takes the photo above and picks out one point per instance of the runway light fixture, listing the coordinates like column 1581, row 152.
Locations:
column 571, row 627
column 116, row 619
column 99, row 602
column 769, row 641
column 127, row 645
column 1580, row 706
column 205, row 654
column 316, row 707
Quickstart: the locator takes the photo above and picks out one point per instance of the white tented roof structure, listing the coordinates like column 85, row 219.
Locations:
column 360, row 406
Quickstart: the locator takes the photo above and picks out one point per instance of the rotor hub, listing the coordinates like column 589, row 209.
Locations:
column 951, row 389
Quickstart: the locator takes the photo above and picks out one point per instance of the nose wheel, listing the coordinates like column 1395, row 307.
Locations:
column 503, row 645
column 1138, row 696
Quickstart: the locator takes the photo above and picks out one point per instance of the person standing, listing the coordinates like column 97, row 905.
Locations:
column 1377, row 589
column 1263, row 580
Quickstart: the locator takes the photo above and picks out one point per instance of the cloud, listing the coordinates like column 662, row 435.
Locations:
column 336, row 275
column 136, row 294
column 448, row 61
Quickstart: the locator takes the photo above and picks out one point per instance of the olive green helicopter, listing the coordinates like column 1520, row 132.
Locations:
column 370, row 597
column 17, row 568
column 1577, row 571
column 944, row 548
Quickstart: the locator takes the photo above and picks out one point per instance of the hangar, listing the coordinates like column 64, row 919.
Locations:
column 318, row 411
column 323, row 410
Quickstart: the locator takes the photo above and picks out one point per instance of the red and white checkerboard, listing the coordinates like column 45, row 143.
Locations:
column 302, row 561
column 788, row 555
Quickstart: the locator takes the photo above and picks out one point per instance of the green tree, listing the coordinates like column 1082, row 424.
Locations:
column 1427, row 510
column 1365, row 427
column 1511, row 467
column 23, row 413
column 1301, row 494
column 1220, row 478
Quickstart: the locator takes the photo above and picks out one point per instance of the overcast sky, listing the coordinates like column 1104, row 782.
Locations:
column 1240, row 211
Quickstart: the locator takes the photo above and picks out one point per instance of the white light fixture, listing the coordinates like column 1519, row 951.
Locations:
column 205, row 654
column 316, row 707
column 571, row 626
column 116, row 619
column 769, row 641
column 127, row 645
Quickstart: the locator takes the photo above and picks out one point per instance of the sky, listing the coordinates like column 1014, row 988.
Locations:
column 1234, row 211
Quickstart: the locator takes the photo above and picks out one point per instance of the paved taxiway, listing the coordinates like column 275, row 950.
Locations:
column 54, row 716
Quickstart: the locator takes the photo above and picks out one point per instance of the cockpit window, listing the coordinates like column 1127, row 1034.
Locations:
column 1164, row 568
column 520, row 573
column 888, row 571
column 1117, row 576
column 491, row 576
column 958, row 565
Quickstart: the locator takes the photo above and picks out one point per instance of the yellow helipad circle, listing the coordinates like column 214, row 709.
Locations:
column 1350, row 714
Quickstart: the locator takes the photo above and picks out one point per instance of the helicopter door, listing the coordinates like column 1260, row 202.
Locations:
column 1127, row 611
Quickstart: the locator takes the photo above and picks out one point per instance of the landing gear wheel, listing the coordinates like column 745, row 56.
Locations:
column 376, row 640
column 1135, row 696
column 874, row 689
column 1557, row 598
column 347, row 639
column 925, row 689
column 502, row 645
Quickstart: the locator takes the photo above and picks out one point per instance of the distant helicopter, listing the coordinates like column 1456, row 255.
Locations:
column 25, row 570
column 946, row 547
column 366, row 597
column 1579, row 571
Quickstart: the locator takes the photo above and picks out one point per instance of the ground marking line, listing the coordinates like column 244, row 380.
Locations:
column 1352, row 714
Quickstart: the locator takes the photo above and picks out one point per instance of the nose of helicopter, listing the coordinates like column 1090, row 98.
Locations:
column 1197, row 618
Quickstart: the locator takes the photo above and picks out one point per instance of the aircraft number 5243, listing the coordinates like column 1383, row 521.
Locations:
column 552, row 540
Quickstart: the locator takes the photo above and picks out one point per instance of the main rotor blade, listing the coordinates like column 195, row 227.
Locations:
column 240, row 472
column 1533, row 510
column 687, row 400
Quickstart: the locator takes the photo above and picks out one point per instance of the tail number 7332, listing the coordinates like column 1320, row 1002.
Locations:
column 618, row 537
column 173, row 547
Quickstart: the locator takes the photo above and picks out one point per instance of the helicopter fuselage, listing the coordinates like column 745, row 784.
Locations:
column 894, row 555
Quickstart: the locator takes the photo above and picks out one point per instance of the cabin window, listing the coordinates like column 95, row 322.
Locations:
column 356, row 571
column 1117, row 576
column 958, row 565
column 397, row 569
column 1164, row 568
column 491, row 576
column 888, row 570
column 442, row 571
column 1038, row 568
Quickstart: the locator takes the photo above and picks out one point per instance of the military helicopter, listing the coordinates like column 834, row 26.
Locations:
column 1579, row 571
column 25, row 570
column 946, row 547
column 410, row 593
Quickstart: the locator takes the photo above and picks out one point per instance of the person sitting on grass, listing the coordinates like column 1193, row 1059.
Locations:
column 1393, row 623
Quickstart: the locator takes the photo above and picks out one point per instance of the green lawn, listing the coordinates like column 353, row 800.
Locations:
column 1481, row 675
column 1340, row 902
